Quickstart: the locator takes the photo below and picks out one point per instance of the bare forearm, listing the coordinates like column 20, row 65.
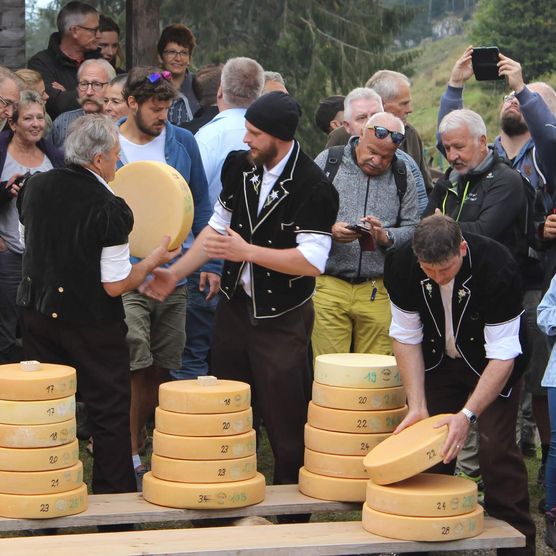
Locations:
column 195, row 257
column 410, row 362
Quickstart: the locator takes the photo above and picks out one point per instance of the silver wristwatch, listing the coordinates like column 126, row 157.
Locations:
column 469, row 415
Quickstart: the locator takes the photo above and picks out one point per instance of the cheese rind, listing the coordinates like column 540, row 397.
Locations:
column 341, row 443
column 204, row 496
column 331, row 488
column 358, row 399
column 47, row 383
column 37, row 436
column 38, row 412
column 41, row 482
column 333, row 465
column 39, row 459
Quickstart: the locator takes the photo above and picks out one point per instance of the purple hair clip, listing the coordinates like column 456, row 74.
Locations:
column 156, row 77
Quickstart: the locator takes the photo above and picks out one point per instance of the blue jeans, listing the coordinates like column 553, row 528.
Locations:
column 199, row 317
column 550, row 475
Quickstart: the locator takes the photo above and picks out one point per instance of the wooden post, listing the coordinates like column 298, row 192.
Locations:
column 142, row 31
column 12, row 34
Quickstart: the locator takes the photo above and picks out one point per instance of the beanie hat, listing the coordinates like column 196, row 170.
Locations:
column 275, row 113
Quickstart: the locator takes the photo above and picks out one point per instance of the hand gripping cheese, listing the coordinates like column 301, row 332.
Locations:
column 405, row 454
column 342, row 443
column 331, row 488
column 357, row 370
column 342, row 420
column 204, row 395
column 333, row 465
column 425, row 495
column 361, row 399
column 41, row 482
column 204, row 496
column 37, row 381
column 411, row 528
column 216, row 424
column 37, row 412
column 37, row 506
column 37, row 436
column 208, row 471
column 161, row 203
column 39, row 459
column 204, row 447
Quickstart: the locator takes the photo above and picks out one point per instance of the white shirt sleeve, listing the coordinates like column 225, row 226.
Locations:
column 114, row 263
column 406, row 327
column 220, row 218
column 502, row 340
column 315, row 248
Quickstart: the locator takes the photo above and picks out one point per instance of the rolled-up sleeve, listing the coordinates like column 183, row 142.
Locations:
column 502, row 340
column 315, row 248
column 406, row 327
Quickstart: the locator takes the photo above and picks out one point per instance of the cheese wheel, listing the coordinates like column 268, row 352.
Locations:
column 411, row 528
column 357, row 370
column 333, row 465
column 331, row 488
column 204, row 496
column 425, row 495
column 204, row 396
column 361, row 399
column 37, row 412
column 161, row 203
column 39, row 459
column 403, row 455
column 37, row 506
column 207, row 471
column 215, row 424
column 37, row 436
column 47, row 382
column 342, row 443
column 204, row 447
column 41, row 482
column 342, row 420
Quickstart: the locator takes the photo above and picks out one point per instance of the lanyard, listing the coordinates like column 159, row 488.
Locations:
column 464, row 198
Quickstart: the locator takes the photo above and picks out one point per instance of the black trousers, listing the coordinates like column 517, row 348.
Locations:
column 101, row 357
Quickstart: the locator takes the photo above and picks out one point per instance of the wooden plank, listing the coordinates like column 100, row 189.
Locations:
column 309, row 539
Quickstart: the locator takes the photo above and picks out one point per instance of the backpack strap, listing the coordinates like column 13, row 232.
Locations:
column 333, row 160
column 399, row 170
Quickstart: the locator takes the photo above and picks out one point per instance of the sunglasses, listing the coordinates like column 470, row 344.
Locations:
column 383, row 132
column 156, row 77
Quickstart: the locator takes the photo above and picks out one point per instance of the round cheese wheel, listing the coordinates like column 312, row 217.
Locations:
column 41, row 482
column 342, row 443
column 39, row 459
column 216, row 424
column 411, row 528
column 41, row 381
column 204, row 447
column 331, row 488
column 403, row 455
column 207, row 471
column 161, row 203
column 204, row 496
column 333, row 465
column 37, row 412
column 37, row 506
column 360, row 399
column 37, row 436
column 204, row 396
column 342, row 420
column 357, row 370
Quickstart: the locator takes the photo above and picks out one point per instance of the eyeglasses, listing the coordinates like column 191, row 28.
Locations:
column 95, row 85
column 382, row 133
column 176, row 53
column 8, row 103
column 93, row 30
column 509, row 97
column 156, row 77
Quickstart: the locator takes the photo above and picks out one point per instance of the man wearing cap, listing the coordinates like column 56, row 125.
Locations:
column 272, row 224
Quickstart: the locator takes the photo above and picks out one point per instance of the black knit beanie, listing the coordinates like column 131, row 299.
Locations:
column 275, row 113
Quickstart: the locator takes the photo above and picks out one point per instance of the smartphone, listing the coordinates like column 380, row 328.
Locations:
column 358, row 228
column 484, row 60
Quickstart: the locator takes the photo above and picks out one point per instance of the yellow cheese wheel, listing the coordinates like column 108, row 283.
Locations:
column 360, row 399
column 37, row 412
column 41, row 482
column 333, row 465
column 37, row 506
column 216, row 424
column 425, row 495
column 403, row 455
column 161, row 203
column 207, row 471
column 204, row 447
column 39, row 459
column 204, row 395
column 357, row 370
column 331, row 488
column 37, row 436
column 342, row 420
column 342, row 443
column 411, row 528
column 31, row 380
column 204, row 496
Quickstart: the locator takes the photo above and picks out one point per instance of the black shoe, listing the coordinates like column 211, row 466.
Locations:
column 550, row 524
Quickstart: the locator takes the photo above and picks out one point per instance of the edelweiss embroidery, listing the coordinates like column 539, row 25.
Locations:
column 461, row 294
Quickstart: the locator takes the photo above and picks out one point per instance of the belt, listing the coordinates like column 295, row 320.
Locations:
column 358, row 280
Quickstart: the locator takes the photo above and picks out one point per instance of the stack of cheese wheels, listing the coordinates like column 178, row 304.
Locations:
column 40, row 472
column 357, row 402
column 404, row 503
column 204, row 447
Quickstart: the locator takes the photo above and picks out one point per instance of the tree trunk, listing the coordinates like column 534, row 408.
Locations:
column 142, row 31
